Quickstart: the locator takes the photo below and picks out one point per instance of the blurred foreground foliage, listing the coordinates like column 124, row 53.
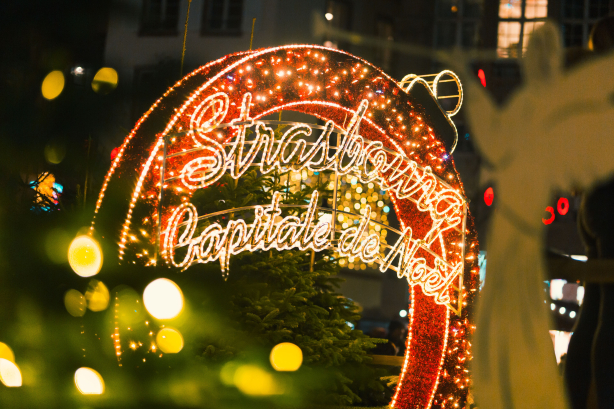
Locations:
column 269, row 297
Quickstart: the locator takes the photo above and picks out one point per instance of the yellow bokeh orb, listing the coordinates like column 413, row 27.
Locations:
column 89, row 381
column 286, row 357
column 227, row 373
column 75, row 303
column 163, row 299
column 255, row 381
column 85, row 256
column 105, row 80
column 54, row 152
column 130, row 308
column 53, row 84
column 97, row 295
column 6, row 352
column 10, row 375
column 169, row 340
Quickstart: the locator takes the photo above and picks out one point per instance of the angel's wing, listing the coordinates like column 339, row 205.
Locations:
column 582, row 124
column 585, row 147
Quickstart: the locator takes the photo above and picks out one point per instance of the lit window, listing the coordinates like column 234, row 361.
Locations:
column 517, row 20
column 536, row 9
column 508, row 38
column 510, row 9
column 223, row 17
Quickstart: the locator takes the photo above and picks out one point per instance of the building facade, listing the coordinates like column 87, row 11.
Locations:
column 145, row 43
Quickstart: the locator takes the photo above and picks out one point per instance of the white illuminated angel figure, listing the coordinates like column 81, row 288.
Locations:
column 555, row 132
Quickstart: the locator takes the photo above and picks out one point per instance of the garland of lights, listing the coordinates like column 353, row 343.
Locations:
column 399, row 175
column 390, row 140
column 219, row 243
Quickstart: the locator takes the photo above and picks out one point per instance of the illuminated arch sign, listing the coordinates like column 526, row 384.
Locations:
column 392, row 139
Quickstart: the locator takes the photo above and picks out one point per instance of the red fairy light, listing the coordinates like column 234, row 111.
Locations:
column 489, row 196
column 331, row 85
column 482, row 77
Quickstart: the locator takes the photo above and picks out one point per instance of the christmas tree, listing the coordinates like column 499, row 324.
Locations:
column 290, row 296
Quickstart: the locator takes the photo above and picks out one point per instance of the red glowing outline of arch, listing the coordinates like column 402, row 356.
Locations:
column 405, row 396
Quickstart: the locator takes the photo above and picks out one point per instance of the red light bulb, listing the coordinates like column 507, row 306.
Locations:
column 489, row 196
column 562, row 206
column 482, row 77
column 550, row 210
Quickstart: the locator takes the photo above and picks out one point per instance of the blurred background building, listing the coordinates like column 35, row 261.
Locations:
column 144, row 43
column 142, row 40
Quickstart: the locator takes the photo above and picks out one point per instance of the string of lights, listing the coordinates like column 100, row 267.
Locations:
column 389, row 132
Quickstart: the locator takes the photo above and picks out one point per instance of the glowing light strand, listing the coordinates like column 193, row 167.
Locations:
column 127, row 140
column 172, row 122
column 403, row 177
column 441, row 360
column 189, row 101
column 411, row 79
column 470, row 258
column 352, row 147
column 407, row 352
column 266, row 232
column 116, row 341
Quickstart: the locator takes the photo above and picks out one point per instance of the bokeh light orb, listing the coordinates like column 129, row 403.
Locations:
column 489, row 196
column 55, row 152
column 6, row 352
column 255, row 381
column 163, row 299
column 169, row 340
column 227, row 373
column 75, row 303
column 97, row 296
column 85, row 256
column 325, row 218
column 129, row 305
column 562, row 206
column 105, row 80
column 114, row 153
column 53, row 84
column 286, row 357
column 89, row 381
column 10, row 375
